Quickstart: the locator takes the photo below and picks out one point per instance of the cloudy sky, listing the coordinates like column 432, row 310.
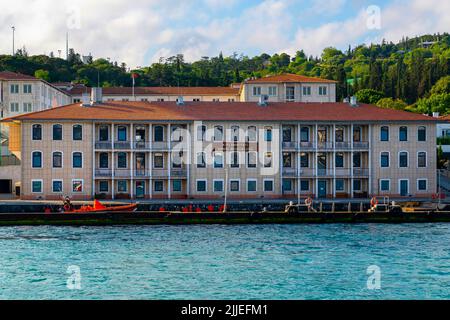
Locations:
column 139, row 32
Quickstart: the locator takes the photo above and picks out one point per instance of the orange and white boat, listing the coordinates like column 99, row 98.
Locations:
column 98, row 207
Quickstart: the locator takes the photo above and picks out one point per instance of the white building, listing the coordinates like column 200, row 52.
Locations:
column 21, row 94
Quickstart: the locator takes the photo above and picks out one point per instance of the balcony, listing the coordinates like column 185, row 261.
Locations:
column 178, row 173
column 122, row 145
column 360, row 172
column 324, row 145
column 290, row 145
column 343, row 145
column 103, row 173
column 361, row 145
column 122, row 173
column 141, row 173
column 141, row 145
column 159, row 146
column 343, row 172
column 160, row 173
column 325, row 172
column 289, row 172
column 306, row 146
column 308, row 172
column 103, row 145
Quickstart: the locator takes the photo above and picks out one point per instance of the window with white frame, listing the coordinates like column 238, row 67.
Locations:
column 235, row 185
column 272, row 91
column 252, row 159
column 268, row 185
column 218, row 185
column 307, row 91
column 57, row 186
column 14, row 107
column 27, row 88
column 36, row 186
column 421, row 159
column 322, row 91
column 422, row 185
column 14, row 88
column 251, row 185
column 256, row 91
column 27, row 107
column 201, row 185
column 77, row 185
column 385, row 185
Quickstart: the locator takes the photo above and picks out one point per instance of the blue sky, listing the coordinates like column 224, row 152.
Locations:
column 142, row 31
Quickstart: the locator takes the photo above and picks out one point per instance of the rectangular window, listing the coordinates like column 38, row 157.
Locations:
column 306, row 91
column 201, row 185
column 268, row 134
column 272, row 91
column 256, row 91
column 403, row 160
column 340, row 185
column 57, row 186
column 287, row 185
column 422, row 159
column 268, row 185
column 235, row 185
column 201, row 161
column 201, row 133
column 14, row 88
column 158, row 161
column 27, row 107
column 339, row 160
column 158, row 186
column 290, row 93
column 357, row 160
column 218, row 160
column 384, row 160
column 77, row 160
column 304, row 185
column 27, row 88
column 234, row 160
column 304, row 160
column 287, row 160
column 385, row 185
column 122, row 186
column 251, row 185
column 77, row 186
column 218, row 185
column 356, row 185
column 322, row 91
column 36, row 186
column 14, row 107
column 422, row 185
column 176, row 185
column 268, row 160
column 103, row 186
column 251, row 159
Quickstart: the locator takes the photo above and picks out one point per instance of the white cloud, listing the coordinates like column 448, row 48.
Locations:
column 140, row 33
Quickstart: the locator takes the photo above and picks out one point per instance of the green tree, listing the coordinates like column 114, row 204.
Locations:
column 369, row 96
column 42, row 74
column 389, row 103
column 442, row 86
column 435, row 103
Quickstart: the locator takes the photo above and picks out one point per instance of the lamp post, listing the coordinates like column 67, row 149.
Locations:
column 13, row 40
column 226, row 191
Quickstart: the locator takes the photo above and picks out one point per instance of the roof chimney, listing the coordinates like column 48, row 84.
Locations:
column 353, row 101
column 85, row 100
column 96, row 95
column 435, row 114
column 180, row 101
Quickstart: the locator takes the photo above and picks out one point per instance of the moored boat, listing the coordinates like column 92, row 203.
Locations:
column 98, row 207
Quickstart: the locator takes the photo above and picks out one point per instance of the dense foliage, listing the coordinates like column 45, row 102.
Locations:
column 405, row 72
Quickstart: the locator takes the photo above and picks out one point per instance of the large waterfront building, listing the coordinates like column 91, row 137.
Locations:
column 21, row 94
column 192, row 150
column 277, row 88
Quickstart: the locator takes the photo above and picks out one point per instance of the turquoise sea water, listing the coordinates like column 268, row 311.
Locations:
column 226, row 262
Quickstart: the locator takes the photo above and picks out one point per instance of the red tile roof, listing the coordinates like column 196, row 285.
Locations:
column 289, row 78
column 223, row 111
column 78, row 90
column 7, row 75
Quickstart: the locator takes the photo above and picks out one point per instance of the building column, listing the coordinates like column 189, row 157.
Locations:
column 351, row 161
column 370, row 160
column 169, row 160
column 189, row 162
column 150, row 160
column 132, row 161
column 93, row 160
column 113, row 171
column 299, row 166
column 333, row 161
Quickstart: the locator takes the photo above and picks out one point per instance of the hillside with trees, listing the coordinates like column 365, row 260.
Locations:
column 413, row 74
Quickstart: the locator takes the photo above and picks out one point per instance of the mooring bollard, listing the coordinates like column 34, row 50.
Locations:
column 349, row 207
column 361, row 207
column 321, row 207
column 333, row 207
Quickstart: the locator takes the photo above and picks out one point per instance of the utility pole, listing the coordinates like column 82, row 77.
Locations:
column 13, row 39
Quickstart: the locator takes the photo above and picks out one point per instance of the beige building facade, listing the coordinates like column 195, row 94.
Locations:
column 196, row 151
